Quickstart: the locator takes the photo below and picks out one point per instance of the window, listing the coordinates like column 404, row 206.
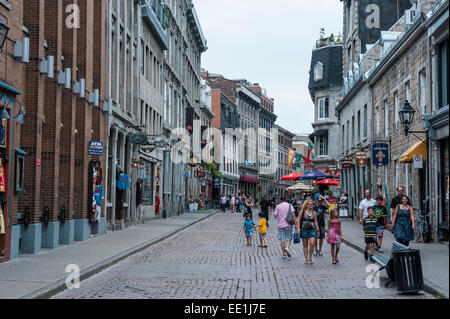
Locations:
column 353, row 130
column 422, row 91
column 323, row 145
column 365, row 122
column 324, row 108
column 408, row 92
column 359, row 126
column 20, row 165
column 343, row 139
column 377, row 119
column 396, row 109
column 386, row 118
column 443, row 74
column 318, row 72
column 396, row 173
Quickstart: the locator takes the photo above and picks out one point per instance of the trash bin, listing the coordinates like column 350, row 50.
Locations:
column 408, row 270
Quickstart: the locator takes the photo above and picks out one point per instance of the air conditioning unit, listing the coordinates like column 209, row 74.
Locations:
column 48, row 66
column 410, row 16
column 22, row 50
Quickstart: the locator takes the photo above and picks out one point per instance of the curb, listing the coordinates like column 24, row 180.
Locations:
column 60, row 285
column 428, row 286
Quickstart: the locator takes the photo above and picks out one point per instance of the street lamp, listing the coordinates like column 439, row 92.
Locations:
column 4, row 29
column 4, row 113
column 407, row 116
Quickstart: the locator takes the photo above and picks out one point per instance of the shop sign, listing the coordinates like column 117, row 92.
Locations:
column 380, row 154
column 332, row 169
column 347, row 163
column 216, row 183
column 95, row 148
column 418, row 161
column 361, row 158
column 139, row 139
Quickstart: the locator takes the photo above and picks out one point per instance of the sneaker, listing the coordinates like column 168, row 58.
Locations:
column 371, row 259
column 288, row 253
column 366, row 255
column 284, row 256
column 320, row 253
column 316, row 252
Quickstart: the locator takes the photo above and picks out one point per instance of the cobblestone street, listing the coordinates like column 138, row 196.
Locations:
column 211, row 260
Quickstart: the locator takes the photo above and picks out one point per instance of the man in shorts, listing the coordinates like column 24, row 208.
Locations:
column 370, row 233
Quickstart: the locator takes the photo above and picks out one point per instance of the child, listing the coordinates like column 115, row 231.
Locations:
column 380, row 213
column 370, row 232
column 334, row 234
column 262, row 230
column 249, row 226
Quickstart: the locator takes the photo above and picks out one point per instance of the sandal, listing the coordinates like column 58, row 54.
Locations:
column 310, row 261
column 306, row 262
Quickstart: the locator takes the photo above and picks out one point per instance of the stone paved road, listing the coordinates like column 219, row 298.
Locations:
column 211, row 260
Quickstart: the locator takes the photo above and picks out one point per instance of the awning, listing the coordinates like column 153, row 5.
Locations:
column 416, row 149
column 249, row 179
column 318, row 133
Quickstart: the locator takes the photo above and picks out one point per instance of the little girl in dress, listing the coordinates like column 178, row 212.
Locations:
column 334, row 234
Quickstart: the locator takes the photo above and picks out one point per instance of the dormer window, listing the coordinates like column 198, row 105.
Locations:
column 318, row 72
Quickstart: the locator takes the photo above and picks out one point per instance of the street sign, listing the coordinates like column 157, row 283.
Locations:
column 332, row 169
column 380, row 154
column 95, row 148
column 418, row 161
column 347, row 163
column 361, row 158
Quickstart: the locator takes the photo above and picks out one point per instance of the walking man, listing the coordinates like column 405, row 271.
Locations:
column 284, row 228
column 367, row 202
column 232, row 202
column 223, row 203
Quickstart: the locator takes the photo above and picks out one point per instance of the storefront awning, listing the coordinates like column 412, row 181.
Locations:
column 418, row 148
column 318, row 133
column 249, row 179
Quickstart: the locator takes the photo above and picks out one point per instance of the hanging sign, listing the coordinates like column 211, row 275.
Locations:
column 139, row 139
column 347, row 163
column 332, row 169
column 95, row 148
column 418, row 161
column 38, row 162
column 380, row 154
column 361, row 158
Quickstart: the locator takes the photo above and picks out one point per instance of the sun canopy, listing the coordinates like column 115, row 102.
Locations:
column 292, row 176
column 328, row 181
column 301, row 187
column 314, row 175
column 420, row 148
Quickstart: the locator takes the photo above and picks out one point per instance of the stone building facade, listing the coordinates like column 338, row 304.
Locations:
column 285, row 143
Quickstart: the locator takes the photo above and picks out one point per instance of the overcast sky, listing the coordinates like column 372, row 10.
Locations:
column 270, row 43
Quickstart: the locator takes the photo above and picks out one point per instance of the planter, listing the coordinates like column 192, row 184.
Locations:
column 195, row 207
column 191, row 207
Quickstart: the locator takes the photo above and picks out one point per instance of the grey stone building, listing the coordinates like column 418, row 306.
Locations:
column 325, row 83
column 135, row 54
column 285, row 143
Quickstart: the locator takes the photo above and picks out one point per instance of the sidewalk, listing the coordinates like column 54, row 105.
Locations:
column 43, row 274
column 434, row 256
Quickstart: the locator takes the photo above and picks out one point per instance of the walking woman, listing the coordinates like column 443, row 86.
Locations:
column 308, row 228
column 403, row 222
column 249, row 204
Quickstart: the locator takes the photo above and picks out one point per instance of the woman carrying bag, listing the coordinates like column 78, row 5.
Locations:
column 308, row 228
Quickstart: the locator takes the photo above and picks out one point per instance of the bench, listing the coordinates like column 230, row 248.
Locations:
column 388, row 262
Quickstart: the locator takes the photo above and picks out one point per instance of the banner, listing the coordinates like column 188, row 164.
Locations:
column 290, row 157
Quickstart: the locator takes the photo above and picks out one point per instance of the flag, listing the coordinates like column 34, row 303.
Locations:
column 290, row 157
column 310, row 146
column 307, row 160
column 299, row 161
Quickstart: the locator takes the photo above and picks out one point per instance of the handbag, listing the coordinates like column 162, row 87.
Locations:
column 289, row 217
column 296, row 238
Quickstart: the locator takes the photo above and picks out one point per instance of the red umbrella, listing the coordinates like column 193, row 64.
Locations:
column 328, row 181
column 338, row 175
column 292, row 176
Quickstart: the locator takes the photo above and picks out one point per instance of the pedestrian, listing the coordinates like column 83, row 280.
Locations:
column 308, row 228
column 320, row 209
column 262, row 230
column 249, row 227
column 397, row 200
column 381, row 214
column 232, row 202
column 370, row 232
column 238, row 204
column 403, row 222
column 334, row 234
column 223, row 203
column 249, row 204
column 264, row 207
column 284, row 228
column 367, row 202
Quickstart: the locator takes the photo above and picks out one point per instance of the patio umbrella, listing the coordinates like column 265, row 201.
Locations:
column 293, row 176
column 337, row 176
column 328, row 181
column 301, row 187
column 314, row 175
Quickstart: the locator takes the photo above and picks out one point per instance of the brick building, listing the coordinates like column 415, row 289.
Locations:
column 61, row 118
column 12, row 80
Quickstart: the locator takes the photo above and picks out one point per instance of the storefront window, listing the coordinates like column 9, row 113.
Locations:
column 445, row 181
column 147, row 193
